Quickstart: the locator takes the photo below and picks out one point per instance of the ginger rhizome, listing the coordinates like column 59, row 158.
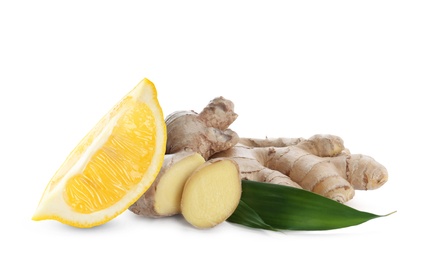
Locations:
column 320, row 164
column 191, row 139
column 205, row 133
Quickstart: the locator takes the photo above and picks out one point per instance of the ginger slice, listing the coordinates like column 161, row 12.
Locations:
column 211, row 193
column 164, row 196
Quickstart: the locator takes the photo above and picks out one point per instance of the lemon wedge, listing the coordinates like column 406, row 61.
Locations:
column 112, row 166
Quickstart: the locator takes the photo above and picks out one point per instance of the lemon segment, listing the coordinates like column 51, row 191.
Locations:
column 112, row 166
column 115, row 168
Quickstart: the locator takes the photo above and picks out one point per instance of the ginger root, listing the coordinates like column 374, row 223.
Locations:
column 320, row 164
column 191, row 139
column 205, row 133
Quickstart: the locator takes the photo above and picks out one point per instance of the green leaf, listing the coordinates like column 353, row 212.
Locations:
column 265, row 205
column 248, row 217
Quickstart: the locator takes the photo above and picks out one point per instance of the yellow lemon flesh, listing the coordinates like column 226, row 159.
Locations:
column 114, row 164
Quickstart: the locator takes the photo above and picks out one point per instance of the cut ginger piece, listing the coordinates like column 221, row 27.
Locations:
column 112, row 166
column 164, row 196
column 212, row 193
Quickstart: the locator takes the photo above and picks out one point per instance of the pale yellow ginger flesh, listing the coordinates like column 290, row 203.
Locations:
column 164, row 196
column 211, row 193
column 170, row 188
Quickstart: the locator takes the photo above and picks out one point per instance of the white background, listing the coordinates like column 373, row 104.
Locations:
column 292, row 68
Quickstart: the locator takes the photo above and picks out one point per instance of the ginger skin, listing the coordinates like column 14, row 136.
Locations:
column 320, row 164
column 205, row 133
column 270, row 142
